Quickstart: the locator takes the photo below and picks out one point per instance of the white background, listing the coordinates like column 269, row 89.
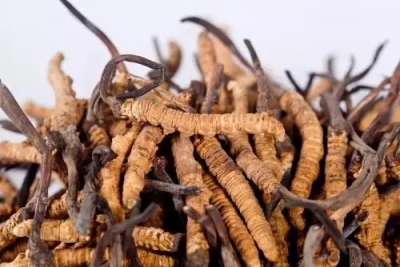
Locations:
column 297, row 35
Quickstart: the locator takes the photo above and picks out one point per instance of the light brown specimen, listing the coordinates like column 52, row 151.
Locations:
column 370, row 235
column 311, row 152
column 139, row 163
column 58, row 207
column 204, row 124
column 109, row 175
column 189, row 173
column 67, row 110
column 236, row 228
column 232, row 180
column 151, row 259
column 11, row 252
column 6, row 235
column 98, row 136
column 64, row 231
column 19, row 153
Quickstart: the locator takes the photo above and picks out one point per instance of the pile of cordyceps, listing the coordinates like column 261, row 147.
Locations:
column 232, row 171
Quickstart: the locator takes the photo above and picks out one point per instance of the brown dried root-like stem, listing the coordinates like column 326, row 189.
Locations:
column 232, row 180
column 39, row 253
column 189, row 174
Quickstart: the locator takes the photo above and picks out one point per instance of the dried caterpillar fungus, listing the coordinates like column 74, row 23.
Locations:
column 236, row 228
column 189, row 173
column 308, row 165
column 232, row 180
column 204, row 124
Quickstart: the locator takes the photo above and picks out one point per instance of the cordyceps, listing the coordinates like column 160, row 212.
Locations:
column 231, row 178
column 307, row 168
column 174, row 120
column 156, row 175
column 189, row 173
column 237, row 230
column 335, row 162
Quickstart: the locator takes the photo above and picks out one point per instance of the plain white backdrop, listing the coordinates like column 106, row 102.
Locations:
column 294, row 35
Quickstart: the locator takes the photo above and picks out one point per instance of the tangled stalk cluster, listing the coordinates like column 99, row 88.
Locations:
column 157, row 175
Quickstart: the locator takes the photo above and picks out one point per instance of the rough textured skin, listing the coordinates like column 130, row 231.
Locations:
column 6, row 235
column 11, row 253
column 67, row 109
column 264, row 145
column 98, row 136
column 188, row 172
column 109, row 175
column 335, row 181
column 52, row 230
column 19, row 152
column 151, row 259
column 118, row 127
column 369, row 236
column 232, row 180
column 236, row 228
column 139, row 163
column 255, row 169
column 58, row 207
column 156, row 239
column 207, row 58
column 311, row 152
column 204, row 124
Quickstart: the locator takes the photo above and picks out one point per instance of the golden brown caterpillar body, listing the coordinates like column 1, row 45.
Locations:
column 311, row 152
column 236, row 228
column 335, row 180
column 189, row 173
column 11, row 253
column 204, row 124
column 98, row 136
column 110, row 174
column 139, row 163
column 207, row 58
column 156, row 239
column 6, row 235
column 64, row 231
column 67, row 109
column 369, row 236
column 58, row 207
column 232, row 180
column 118, row 127
column 52, row 230
column 151, row 259
column 18, row 152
